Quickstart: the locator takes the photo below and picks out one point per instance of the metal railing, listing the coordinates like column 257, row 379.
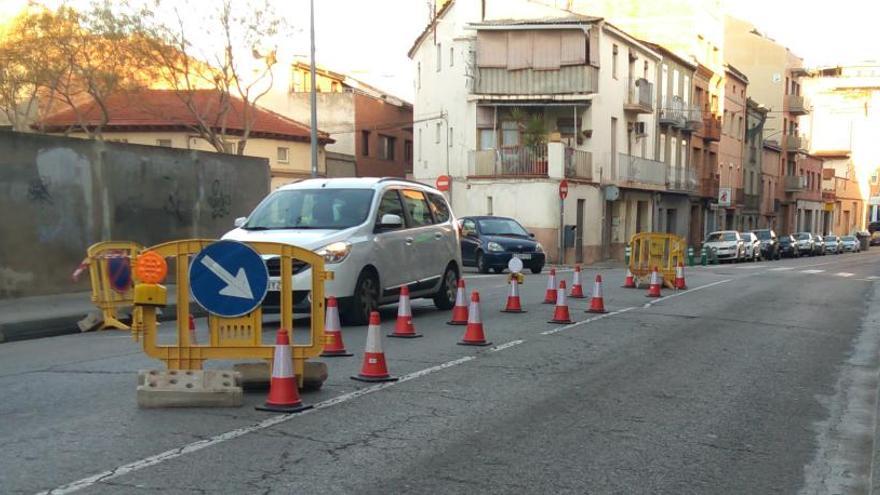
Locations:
column 639, row 95
column 679, row 179
column 578, row 164
column 712, row 128
column 510, row 161
column 794, row 183
column 673, row 112
column 641, row 170
column 574, row 79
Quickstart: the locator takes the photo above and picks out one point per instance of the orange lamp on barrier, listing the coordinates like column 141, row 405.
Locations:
column 150, row 267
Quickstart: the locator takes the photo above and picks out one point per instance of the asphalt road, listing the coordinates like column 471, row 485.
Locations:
column 762, row 378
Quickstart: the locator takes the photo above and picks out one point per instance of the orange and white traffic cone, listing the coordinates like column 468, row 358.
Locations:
column 597, row 303
column 460, row 311
column 560, row 315
column 193, row 338
column 679, row 277
column 550, row 295
column 283, row 392
column 374, row 368
column 333, row 347
column 404, row 328
column 577, row 290
column 474, row 335
column 513, row 302
column 654, row 288
column 630, row 282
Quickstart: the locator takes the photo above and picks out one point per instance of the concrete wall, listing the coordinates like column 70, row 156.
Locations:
column 60, row 195
column 340, row 165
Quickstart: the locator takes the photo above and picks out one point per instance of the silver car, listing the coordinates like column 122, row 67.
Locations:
column 751, row 246
column 727, row 244
column 850, row 244
column 832, row 244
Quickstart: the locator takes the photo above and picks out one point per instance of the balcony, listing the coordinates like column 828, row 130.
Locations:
column 672, row 112
column 693, row 118
column 682, row 180
column 578, row 164
column 712, row 128
column 752, row 202
column 516, row 84
column 829, row 196
column 515, row 161
column 639, row 96
column 795, row 142
column 795, row 104
column 709, row 187
column 634, row 171
column 794, row 183
column 739, row 197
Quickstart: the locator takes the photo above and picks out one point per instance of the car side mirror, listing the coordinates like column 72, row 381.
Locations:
column 532, row 235
column 240, row 221
column 391, row 221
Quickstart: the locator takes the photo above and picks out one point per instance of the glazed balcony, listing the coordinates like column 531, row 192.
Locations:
column 516, row 84
column 796, row 105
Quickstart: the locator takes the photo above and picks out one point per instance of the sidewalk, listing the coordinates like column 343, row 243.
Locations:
column 47, row 316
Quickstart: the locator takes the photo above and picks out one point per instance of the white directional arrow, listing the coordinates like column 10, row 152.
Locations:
column 236, row 286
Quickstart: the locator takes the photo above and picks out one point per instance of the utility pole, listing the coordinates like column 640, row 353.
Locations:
column 314, row 95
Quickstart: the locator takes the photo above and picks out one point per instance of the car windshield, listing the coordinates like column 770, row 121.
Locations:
column 764, row 235
column 848, row 239
column 721, row 236
column 785, row 240
column 312, row 209
column 803, row 236
column 501, row 226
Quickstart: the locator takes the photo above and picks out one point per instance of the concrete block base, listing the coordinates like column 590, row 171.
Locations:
column 255, row 376
column 199, row 388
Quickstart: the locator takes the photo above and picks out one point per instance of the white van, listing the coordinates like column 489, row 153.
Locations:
column 376, row 235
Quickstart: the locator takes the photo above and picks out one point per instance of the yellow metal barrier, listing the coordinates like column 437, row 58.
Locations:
column 652, row 249
column 112, row 282
column 229, row 338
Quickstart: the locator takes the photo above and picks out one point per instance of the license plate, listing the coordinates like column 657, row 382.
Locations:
column 522, row 256
column 275, row 285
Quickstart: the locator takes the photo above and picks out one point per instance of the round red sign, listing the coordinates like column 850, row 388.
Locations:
column 563, row 189
column 443, row 182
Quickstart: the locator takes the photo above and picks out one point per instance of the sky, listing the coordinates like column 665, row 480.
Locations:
column 369, row 39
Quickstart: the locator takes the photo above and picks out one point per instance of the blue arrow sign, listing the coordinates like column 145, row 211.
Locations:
column 228, row 278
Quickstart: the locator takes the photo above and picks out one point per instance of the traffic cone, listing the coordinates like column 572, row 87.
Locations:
column 374, row 369
column 550, row 295
column 474, row 334
column 404, row 328
column 283, row 394
column 577, row 290
column 193, row 338
column 513, row 302
column 597, row 303
column 679, row 277
column 654, row 288
column 460, row 311
column 630, row 282
column 333, row 346
column 560, row 315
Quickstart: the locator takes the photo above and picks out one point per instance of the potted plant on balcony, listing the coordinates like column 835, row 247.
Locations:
column 534, row 134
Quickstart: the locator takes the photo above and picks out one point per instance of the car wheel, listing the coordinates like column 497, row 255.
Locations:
column 364, row 301
column 445, row 297
column 537, row 269
column 482, row 267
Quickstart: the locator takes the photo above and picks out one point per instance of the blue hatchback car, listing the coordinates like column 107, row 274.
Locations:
column 490, row 243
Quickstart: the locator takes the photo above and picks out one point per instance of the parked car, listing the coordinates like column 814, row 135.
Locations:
column 751, row 246
column 376, row 235
column 806, row 244
column 727, row 244
column 769, row 243
column 788, row 246
column 490, row 243
column 875, row 239
column 818, row 244
column 832, row 244
column 850, row 244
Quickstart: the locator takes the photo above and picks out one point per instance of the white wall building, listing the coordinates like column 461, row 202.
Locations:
column 513, row 97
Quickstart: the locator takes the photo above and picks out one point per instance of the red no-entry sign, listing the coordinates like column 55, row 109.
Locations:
column 563, row 189
column 443, row 182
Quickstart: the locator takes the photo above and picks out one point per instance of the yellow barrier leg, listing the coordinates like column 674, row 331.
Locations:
column 111, row 322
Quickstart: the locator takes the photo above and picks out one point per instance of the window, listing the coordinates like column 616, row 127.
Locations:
column 451, row 56
column 468, row 226
column 509, row 133
column 386, row 147
column 417, row 207
column 407, row 151
column 389, row 205
column 487, row 139
column 437, row 130
column 334, row 87
column 684, row 153
column 489, row 210
column 662, row 157
column 449, row 137
column 283, row 154
column 117, row 140
column 439, row 208
column 687, row 91
column 365, row 143
column 163, row 142
column 614, row 51
column 312, row 208
column 739, row 126
column 439, row 56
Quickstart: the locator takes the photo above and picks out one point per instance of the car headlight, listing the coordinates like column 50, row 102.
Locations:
column 494, row 247
column 539, row 248
column 335, row 253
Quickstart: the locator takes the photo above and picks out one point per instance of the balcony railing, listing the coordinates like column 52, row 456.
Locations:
column 796, row 104
column 739, row 196
column 514, row 161
column 672, row 112
column 794, row 183
column 639, row 96
column 829, row 196
column 712, row 128
column 578, row 164
column 637, row 170
column 574, row 79
column 752, row 201
column 681, row 180
column 795, row 142
column 693, row 118
column 709, row 187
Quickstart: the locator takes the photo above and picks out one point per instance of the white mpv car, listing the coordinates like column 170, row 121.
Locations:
column 376, row 235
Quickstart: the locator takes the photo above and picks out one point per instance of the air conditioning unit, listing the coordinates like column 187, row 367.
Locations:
column 638, row 128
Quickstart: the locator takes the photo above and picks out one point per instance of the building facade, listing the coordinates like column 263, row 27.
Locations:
column 753, row 171
column 731, row 148
column 770, row 200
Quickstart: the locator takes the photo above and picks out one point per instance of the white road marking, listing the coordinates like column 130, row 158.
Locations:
column 781, row 269
column 588, row 320
column 844, row 274
column 812, row 271
column 871, row 277
column 748, row 267
column 506, row 345
column 683, row 292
